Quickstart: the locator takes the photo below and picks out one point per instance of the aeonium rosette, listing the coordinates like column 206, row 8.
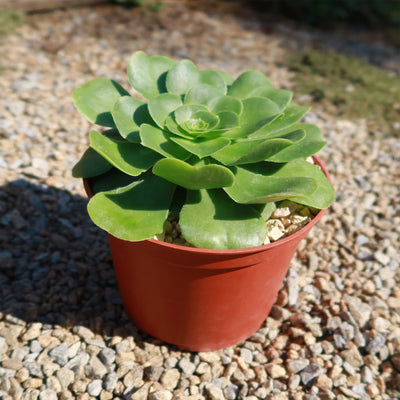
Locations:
column 213, row 151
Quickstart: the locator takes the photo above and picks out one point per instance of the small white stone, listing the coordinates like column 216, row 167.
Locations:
column 281, row 212
column 94, row 387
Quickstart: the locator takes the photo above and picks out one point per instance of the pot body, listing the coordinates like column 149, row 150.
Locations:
column 199, row 299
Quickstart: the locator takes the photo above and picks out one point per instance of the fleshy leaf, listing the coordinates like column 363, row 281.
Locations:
column 182, row 77
column 266, row 182
column 302, row 149
column 200, row 123
column 91, row 164
column 213, row 78
column 136, row 212
column 129, row 113
column 291, row 115
column 227, row 120
column 308, row 140
column 226, row 103
column 257, row 112
column 191, row 177
column 96, row 98
column 280, row 97
column 112, row 179
column 202, row 94
column 250, row 151
column 195, row 119
column 264, row 151
column 162, row 106
column 201, row 148
column 148, row 74
column 186, row 112
column 157, row 140
column 131, row 158
column 212, row 220
column 185, row 75
column 246, row 83
column 173, row 127
column 323, row 196
column 226, row 77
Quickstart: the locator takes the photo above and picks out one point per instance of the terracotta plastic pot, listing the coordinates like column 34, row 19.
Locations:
column 201, row 299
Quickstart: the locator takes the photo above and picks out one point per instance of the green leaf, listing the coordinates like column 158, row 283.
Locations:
column 267, row 210
column 211, row 220
column 185, row 112
column 91, row 164
column 202, row 94
column 250, row 151
column 182, row 77
column 173, row 127
column 201, row 123
column 129, row 113
column 148, row 74
column 96, row 98
column 213, row 78
column 292, row 114
column 162, row 106
column 226, row 103
column 185, row 75
column 226, row 77
column 247, row 82
column 157, row 140
column 324, row 194
column 112, row 179
column 195, row 119
column 190, row 177
column 256, row 113
column 200, row 147
column 136, row 212
column 309, row 143
column 264, row 151
column 131, row 158
column 302, row 149
column 280, row 97
column 227, row 120
column 266, row 182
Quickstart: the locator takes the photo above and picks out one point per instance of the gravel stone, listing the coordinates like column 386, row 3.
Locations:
column 353, row 357
column 139, row 394
column 186, row 367
column 310, row 373
column 96, row 368
column 107, row 356
column 94, row 387
column 275, row 371
column 153, row 373
column 110, row 381
column 65, row 376
column 214, row 392
column 48, row 394
column 60, row 354
column 161, row 395
column 247, row 355
column 231, row 391
column 169, row 379
column 375, row 344
column 295, row 366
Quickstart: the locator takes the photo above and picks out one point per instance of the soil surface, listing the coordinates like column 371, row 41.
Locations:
column 334, row 331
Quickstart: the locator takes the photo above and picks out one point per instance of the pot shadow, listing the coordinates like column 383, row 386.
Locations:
column 55, row 264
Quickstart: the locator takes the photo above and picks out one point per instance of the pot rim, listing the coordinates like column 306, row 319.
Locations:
column 247, row 250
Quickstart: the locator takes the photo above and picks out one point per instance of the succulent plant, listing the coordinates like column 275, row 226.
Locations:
column 216, row 152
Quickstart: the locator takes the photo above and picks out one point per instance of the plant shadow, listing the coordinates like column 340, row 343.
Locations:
column 55, row 264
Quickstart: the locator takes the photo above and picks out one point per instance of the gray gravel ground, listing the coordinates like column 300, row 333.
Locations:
column 335, row 329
